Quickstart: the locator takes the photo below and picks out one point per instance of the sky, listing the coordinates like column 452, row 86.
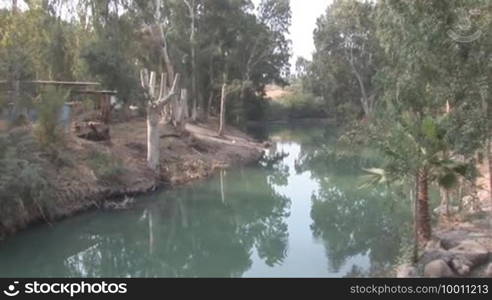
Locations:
column 304, row 16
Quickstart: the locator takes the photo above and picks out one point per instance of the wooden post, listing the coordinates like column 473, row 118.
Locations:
column 105, row 108
column 222, row 109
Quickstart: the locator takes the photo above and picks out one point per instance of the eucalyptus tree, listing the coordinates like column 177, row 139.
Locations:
column 347, row 54
column 265, row 46
column 192, row 6
column 251, row 51
column 20, row 58
column 479, row 65
column 426, row 85
column 158, row 97
column 110, row 55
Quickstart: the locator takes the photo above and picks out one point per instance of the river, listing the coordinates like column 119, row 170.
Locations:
column 298, row 213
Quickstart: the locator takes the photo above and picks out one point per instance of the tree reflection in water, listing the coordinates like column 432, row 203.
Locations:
column 205, row 229
column 349, row 220
column 232, row 223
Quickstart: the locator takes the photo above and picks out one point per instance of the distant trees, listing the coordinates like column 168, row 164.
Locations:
column 222, row 45
column 346, row 59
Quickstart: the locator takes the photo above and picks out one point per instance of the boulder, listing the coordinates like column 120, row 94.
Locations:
column 461, row 265
column 451, row 239
column 471, row 250
column 406, row 271
column 432, row 255
column 438, row 269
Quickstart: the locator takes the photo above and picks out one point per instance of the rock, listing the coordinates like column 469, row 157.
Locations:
column 406, row 271
column 441, row 210
column 438, row 269
column 123, row 205
column 488, row 271
column 451, row 239
column 461, row 265
column 429, row 256
column 471, row 250
column 433, row 245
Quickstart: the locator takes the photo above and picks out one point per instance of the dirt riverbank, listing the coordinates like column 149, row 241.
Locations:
column 99, row 173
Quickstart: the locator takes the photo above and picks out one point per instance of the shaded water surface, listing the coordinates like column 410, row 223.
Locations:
column 297, row 213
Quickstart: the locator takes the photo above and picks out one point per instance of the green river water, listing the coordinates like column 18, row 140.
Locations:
column 298, row 213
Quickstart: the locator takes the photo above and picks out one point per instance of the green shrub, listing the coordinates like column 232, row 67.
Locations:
column 49, row 107
column 24, row 184
column 107, row 168
column 297, row 105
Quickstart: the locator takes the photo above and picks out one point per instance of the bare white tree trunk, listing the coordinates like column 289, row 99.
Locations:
column 153, row 139
column 180, row 110
column 194, row 108
column 154, row 106
column 222, row 109
column 367, row 101
column 184, row 104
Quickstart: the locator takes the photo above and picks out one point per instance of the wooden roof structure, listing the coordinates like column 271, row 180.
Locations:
column 55, row 82
column 86, row 87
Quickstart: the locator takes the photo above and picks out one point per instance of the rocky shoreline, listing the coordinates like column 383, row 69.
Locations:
column 461, row 250
column 461, row 245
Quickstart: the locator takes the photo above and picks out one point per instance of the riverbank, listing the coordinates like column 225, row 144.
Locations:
column 92, row 174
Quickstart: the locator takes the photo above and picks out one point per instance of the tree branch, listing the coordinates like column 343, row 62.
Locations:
column 163, row 101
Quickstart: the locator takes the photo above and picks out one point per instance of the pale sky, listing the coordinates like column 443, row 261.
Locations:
column 304, row 16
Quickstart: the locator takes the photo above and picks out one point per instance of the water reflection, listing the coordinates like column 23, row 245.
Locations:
column 298, row 214
column 349, row 220
column 207, row 229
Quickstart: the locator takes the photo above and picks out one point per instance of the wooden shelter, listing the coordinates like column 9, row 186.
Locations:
column 85, row 88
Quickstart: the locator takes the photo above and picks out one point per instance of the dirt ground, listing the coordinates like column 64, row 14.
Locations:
column 275, row 92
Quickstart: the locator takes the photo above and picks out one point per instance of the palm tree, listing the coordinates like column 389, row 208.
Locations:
column 416, row 151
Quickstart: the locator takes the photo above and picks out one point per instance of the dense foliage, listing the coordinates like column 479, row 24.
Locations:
column 111, row 40
column 417, row 72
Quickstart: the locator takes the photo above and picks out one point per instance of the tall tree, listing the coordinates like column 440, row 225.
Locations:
column 427, row 71
column 156, row 102
column 348, row 53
